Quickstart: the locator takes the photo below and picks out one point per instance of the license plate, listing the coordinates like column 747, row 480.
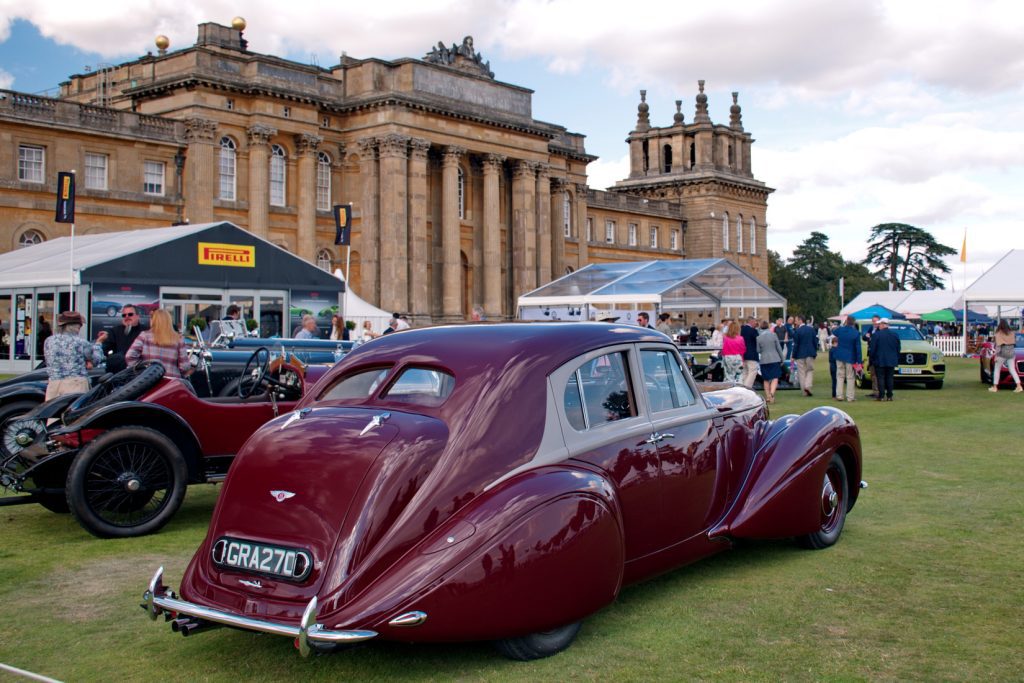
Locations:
column 262, row 558
column 910, row 371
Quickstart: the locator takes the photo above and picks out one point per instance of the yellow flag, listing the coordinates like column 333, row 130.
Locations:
column 963, row 249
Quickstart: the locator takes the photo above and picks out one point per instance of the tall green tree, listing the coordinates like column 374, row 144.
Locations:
column 813, row 260
column 906, row 256
column 810, row 279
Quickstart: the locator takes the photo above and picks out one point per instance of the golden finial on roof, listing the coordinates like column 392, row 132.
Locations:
column 238, row 23
column 162, row 43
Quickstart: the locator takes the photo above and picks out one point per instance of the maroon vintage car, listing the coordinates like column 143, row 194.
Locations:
column 122, row 454
column 500, row 482
column 987, row 359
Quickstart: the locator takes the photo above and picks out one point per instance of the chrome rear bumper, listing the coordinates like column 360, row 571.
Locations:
column 159, row 599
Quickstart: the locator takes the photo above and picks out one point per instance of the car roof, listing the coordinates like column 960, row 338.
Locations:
column 500, row 345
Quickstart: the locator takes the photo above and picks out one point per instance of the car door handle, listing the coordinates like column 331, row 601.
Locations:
column 655, row 438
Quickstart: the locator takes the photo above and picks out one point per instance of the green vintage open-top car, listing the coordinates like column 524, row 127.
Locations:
column 920, row 361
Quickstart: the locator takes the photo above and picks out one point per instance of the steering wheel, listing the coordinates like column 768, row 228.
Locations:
column 254, row 374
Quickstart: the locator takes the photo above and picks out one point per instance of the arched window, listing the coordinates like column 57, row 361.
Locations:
column 324, row 260
column 693, row 155
column 753, row 235
column 731, row 156
column 29, row 238
column 725, row 232
column 227, row 169
column 566, row 214
column 462, row 194
column 647, row 156
column 323, row 182
column 667, row 157
column 278, row 179
column 739, row 234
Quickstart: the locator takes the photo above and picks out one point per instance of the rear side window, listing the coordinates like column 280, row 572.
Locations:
column 598, row 392
column 425, row 386
column 356, row 386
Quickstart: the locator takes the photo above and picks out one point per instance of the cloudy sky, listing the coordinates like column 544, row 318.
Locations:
column 863, row 111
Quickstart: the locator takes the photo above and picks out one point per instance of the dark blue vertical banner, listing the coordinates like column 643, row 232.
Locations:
column 65, row 197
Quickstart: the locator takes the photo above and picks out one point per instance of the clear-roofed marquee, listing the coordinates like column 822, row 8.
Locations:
column 665, row 286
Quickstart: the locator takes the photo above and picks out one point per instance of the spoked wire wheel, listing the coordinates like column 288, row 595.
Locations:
column 129, row 481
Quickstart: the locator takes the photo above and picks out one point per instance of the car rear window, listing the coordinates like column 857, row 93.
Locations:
column 357, row 385
column 424, row 386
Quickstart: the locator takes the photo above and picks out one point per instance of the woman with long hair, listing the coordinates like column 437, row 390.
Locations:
column 161, row 343
column 1005, row 355
column 339, row 332
column 733, row 348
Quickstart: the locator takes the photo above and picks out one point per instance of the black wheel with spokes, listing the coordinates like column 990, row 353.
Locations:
column 12, row 424
column 128, row 481
column 833, row 503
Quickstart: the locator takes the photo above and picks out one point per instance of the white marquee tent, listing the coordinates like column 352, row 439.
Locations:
column 661, row 286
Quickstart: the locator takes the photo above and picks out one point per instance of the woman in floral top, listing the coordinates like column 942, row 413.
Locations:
column 161, row 343
column 69, row 357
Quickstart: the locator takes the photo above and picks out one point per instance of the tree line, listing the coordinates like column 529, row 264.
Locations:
column 899, row 257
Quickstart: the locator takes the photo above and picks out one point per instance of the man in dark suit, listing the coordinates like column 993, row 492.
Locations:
column 644, row 320
column 805, row 350
column 884, row 352
column 117, row 342
column 749, row 333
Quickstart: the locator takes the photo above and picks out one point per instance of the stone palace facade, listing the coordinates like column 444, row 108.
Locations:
column 459, row 196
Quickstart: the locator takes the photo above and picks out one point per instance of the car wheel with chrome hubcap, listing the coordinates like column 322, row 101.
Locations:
column 833, row 504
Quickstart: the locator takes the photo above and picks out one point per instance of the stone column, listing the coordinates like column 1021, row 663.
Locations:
column 259, row 178
column 369, row 227
column 306, row 147
column 394, row 223
column 524, row 228
column 419, row 248
column 558, row 189
column 200, row 169
column 581, row 225
column 451, row 265
column 493, row 168
column 543, row 199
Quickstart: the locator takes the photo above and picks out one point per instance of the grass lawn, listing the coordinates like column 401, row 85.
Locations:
column 925, row 584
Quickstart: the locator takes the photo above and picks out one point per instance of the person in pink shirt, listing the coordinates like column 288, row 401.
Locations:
column 733, row 348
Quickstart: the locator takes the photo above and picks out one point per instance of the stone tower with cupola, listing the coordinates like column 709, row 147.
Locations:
column 705, row 169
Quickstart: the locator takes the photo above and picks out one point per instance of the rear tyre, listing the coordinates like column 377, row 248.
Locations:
column 126, row 385
column 538, row 645
column 833, row 503
column 127, row 482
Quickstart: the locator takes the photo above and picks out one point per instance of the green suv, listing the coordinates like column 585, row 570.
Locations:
column 919, row 360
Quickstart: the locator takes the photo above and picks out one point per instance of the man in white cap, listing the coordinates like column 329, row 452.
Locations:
column 606, row 317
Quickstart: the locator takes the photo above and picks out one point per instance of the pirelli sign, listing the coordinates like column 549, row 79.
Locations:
column 236, row 255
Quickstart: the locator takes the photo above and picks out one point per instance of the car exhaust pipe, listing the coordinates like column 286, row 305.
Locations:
column 186, row 626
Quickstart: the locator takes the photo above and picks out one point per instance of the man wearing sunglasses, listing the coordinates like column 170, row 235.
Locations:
column 117, row 342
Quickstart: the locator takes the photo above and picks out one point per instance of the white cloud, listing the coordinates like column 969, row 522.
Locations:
column 603, row 173
column 6, row 80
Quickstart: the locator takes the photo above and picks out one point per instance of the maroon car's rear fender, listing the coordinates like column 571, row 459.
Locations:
column 781, row 493
column 541, row 550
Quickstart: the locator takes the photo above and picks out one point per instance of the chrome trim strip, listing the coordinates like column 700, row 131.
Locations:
column 157, row 601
